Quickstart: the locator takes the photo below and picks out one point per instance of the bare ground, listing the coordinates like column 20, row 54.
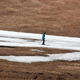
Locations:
column 56, row 17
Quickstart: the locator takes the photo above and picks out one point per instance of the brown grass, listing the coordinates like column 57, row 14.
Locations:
column 60, row 17
column 57, row 70
column 55, row 17
column 23, row 51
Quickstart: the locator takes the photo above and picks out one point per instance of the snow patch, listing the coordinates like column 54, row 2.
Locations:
column 37, row 50
column 52, row 57
column 20, row 39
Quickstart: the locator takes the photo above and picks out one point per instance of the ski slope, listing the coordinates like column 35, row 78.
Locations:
column 20, row 39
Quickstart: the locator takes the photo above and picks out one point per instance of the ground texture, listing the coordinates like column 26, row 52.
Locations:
column 60, row 17
column 56, row 70
column 56, row 17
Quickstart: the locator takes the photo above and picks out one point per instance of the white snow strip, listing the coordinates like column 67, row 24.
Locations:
column 32, row 44
column 52, row 57
column 19, row 34
column 36, row 36
column 57, row 42
column 12, row 40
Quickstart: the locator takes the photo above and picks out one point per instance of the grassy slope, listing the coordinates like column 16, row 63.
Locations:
column 60, row 17
column 57, row 17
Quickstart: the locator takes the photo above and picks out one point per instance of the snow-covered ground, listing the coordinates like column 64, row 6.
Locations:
column 9, row 38
column 20, row 39
column 51, row 57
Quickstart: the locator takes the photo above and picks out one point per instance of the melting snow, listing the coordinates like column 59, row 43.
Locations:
column 36, row 50
column 10, row 38
column 51, row 57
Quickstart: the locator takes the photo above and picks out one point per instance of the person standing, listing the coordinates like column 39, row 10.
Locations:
column 43, row 38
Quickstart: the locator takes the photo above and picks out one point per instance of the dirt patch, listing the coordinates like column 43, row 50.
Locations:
column 23, row 51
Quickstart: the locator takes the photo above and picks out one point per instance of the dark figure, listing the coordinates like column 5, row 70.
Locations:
column 43, row 38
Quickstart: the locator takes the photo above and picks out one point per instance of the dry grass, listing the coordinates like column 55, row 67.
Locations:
column 56, row 17
column 57, row 70
column 60, row 17
column 23, row 51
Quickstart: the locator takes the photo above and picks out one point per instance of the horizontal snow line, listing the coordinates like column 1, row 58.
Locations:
column 52, row 57
column 56, row 42
column 36, row 36
column 14, row 44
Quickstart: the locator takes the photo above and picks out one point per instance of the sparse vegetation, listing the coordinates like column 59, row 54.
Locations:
column 55, row 17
